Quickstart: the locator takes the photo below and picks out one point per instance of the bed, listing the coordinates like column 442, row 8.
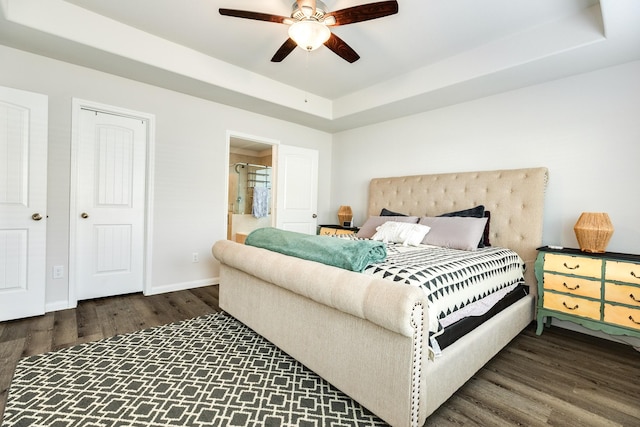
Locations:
column 369, row 336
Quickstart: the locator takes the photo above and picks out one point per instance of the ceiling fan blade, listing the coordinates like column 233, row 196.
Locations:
column 286, row 48
column 340, row 48
column 253, row 15
column 308, row 7
column 364, row 12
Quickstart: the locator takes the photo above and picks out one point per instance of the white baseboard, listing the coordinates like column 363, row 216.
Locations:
column 65, row 305
column 172, row 287
column 57, row 306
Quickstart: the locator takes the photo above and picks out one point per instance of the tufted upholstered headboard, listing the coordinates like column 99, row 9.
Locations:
column 515, row 198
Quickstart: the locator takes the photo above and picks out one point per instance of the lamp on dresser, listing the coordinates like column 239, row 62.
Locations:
column 345, row 216
column 593, row 231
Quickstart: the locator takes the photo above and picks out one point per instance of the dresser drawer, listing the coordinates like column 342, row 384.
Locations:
column 621, row 271
column 572, row 305
column 567, row 264
column 572, row 285
column 623, row 294
column 325, row 231
column 623, row 316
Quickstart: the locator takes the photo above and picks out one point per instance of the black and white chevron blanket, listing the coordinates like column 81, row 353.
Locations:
column 451, row 278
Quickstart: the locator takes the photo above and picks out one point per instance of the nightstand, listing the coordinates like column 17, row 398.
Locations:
column 597, row 291
column 336, row 229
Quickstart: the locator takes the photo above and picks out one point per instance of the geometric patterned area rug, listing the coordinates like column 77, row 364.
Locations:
column 207, row 371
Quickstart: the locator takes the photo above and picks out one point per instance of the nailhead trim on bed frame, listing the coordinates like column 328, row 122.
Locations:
column 418, row 323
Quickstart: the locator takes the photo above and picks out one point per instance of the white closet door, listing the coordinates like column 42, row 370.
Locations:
column 110, row 205
column 23, row 202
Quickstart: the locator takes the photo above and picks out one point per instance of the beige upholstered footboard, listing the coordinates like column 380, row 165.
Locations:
column 364, row 335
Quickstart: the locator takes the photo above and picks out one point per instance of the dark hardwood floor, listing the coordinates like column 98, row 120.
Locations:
column 561, row 378
column 93, row 320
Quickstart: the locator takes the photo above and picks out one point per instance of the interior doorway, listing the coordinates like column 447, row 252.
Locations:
column 251, row 175
column 111, row 200
column 290, row 175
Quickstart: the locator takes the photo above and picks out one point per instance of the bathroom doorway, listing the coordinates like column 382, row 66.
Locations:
column 251, row 178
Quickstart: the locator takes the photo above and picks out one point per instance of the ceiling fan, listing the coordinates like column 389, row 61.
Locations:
column 310, row 21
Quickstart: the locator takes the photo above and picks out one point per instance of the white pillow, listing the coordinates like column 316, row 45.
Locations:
column 401, row 232
column 369, row 228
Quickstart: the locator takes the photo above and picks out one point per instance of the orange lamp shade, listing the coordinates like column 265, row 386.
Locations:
column 593, row 231
column 345, row 214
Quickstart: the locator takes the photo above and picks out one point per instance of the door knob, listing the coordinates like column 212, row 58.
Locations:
column 314, row 216
column 36, row 217
column 84, row 215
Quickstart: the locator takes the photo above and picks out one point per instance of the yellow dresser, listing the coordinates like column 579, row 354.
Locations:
column 598, row 291
column 324, row 230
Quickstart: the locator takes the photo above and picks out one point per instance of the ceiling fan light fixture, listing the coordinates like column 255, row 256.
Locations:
column 309, row 34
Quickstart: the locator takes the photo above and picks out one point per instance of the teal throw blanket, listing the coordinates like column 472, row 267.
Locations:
column 354, row 255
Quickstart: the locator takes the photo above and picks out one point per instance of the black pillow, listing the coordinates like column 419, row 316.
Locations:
column 485, row 235
column 387, row 212
column 476, row 212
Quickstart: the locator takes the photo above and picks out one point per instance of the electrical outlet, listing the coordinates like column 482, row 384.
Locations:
column 58, row 271
column 195, row 257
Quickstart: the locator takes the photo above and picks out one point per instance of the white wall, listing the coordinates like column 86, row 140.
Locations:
column 190, row 204
column 585, row 129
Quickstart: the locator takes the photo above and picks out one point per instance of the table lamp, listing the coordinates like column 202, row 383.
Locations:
column 345, row 216
column 593, row 231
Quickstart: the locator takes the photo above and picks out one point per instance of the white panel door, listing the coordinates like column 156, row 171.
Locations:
column 23, row 202
column 110, row 205
column 297, row 189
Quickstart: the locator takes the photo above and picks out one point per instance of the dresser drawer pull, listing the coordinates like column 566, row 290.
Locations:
column 575, row 287
column 569, row 308
column 571, row 268
column 634, row 298
column 631, row 318
column 633, row 273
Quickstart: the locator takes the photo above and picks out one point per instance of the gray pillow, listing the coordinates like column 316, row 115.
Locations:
column 476, row 212
column 368, row 229
column 454, row 232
